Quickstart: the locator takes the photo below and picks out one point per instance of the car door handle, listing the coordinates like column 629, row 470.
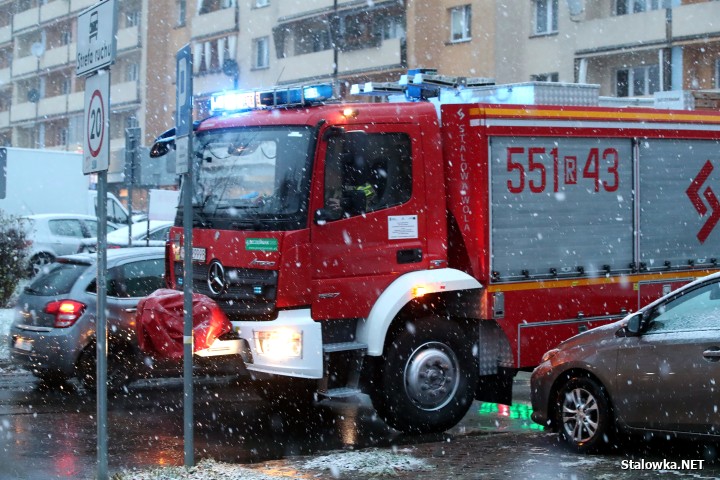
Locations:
column 712, row 354
column 130, row 310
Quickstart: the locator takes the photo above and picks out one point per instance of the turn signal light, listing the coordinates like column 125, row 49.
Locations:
column 66, row 312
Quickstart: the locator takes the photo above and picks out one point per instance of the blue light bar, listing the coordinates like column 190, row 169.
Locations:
column 236, row 101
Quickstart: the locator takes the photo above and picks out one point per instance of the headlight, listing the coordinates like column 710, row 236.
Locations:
column 278, row 344
column 549, row 354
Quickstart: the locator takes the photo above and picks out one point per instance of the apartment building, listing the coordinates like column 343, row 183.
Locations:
column 631, row 48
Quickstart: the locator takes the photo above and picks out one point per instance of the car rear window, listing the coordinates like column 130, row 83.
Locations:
column 58, row 280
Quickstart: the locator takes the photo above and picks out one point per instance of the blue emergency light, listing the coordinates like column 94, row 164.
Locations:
column 244, row 100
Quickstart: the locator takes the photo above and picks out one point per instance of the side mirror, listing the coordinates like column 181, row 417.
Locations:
column 635, row 324
column 161, row 147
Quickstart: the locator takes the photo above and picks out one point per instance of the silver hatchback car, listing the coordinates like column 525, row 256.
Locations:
column 656, row 371
column 53, row 332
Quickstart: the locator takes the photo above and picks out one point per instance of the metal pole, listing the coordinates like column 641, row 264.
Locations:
column 101, row 330
column 187, row 306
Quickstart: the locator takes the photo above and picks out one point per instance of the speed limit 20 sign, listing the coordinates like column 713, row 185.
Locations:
column 96, row 149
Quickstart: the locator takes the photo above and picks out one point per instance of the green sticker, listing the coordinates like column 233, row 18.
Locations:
column 264, row 244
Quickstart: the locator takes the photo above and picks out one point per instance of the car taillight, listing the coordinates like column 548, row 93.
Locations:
column 66, row 312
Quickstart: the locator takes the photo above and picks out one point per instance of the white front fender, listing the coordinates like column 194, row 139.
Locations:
column 372, row 330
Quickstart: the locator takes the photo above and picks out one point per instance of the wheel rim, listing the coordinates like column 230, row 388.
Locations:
column 431, row 376
column 39, row 263
column 580, row 415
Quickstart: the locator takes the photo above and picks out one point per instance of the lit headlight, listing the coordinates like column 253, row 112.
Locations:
column 279, row 344
column 549, row 354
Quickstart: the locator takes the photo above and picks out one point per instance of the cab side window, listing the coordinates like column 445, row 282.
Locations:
column 367, row 172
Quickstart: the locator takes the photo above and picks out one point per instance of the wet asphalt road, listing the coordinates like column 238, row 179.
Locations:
column 50, row 433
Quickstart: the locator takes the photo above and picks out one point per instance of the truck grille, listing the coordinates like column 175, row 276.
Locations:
column 249, row 293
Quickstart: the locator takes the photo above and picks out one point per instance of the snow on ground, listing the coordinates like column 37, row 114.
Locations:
column 340, row 465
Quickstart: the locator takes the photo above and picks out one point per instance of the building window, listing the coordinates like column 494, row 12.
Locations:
column 65, row 86
column 624, row 7
column 262, row 3
column 182, row 12
column 63, row 136
column 65, row 37
column 545, row 77
column 132, row 72
column 637, row 81
column 132, row 19
column 717, row 73
column 460, row 23
column 261, row 52
column 393, row 27
column 546, row 16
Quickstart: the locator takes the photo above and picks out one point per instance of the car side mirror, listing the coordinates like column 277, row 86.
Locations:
column 635, row 324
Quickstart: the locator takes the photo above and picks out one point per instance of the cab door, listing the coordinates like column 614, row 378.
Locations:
column 377, row 229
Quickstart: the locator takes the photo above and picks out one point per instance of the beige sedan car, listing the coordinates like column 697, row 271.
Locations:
column 656, row 371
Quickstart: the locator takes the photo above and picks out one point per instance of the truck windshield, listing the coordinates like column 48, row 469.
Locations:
column 253, row 178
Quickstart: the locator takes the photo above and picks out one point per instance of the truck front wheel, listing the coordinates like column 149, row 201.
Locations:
column 427, row 377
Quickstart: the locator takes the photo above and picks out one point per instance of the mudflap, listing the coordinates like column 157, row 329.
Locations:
column 496, row 388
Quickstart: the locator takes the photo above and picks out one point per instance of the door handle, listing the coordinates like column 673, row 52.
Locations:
column 130, row 310
column 712, row 354
column 411, row 255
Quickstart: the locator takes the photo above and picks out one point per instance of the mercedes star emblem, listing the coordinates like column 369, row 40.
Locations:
column 216, row 278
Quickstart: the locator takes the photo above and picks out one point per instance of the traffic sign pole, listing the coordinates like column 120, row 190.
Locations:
column 96, row 51
column 184, row 166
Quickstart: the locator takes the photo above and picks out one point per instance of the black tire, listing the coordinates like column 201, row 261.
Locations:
column 51, row 380
column 120, row 371
column 584, row 415
column 426, row 378
column 38, row 262
column 285, row 393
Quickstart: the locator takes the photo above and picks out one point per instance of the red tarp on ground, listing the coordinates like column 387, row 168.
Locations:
column 159, row 323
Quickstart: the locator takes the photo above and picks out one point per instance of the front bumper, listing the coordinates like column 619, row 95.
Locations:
column 307, row 363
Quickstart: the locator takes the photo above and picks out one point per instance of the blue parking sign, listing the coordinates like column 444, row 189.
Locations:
column 183, row 90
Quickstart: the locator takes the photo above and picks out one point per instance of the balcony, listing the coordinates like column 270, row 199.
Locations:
column 57, row 56
column 24, row 65
column 53, row 106
column 618, row 32
column 309, row 65
column 20, row 112
column 697, row 20
column 27, row 19
column 5, row 34
column 388, row 54
column 76, row 102
column 214, row 23
column 128, row 38
column 311, row 8
column 212, row 83
column 53, row 10
column 126, row 92
column 77, row 5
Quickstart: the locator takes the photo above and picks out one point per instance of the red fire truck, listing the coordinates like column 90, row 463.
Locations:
column 425, row 251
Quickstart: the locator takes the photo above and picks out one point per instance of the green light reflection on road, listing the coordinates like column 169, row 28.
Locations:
column 518, row 411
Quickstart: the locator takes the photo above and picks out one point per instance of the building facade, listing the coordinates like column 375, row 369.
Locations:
column 631, row 48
